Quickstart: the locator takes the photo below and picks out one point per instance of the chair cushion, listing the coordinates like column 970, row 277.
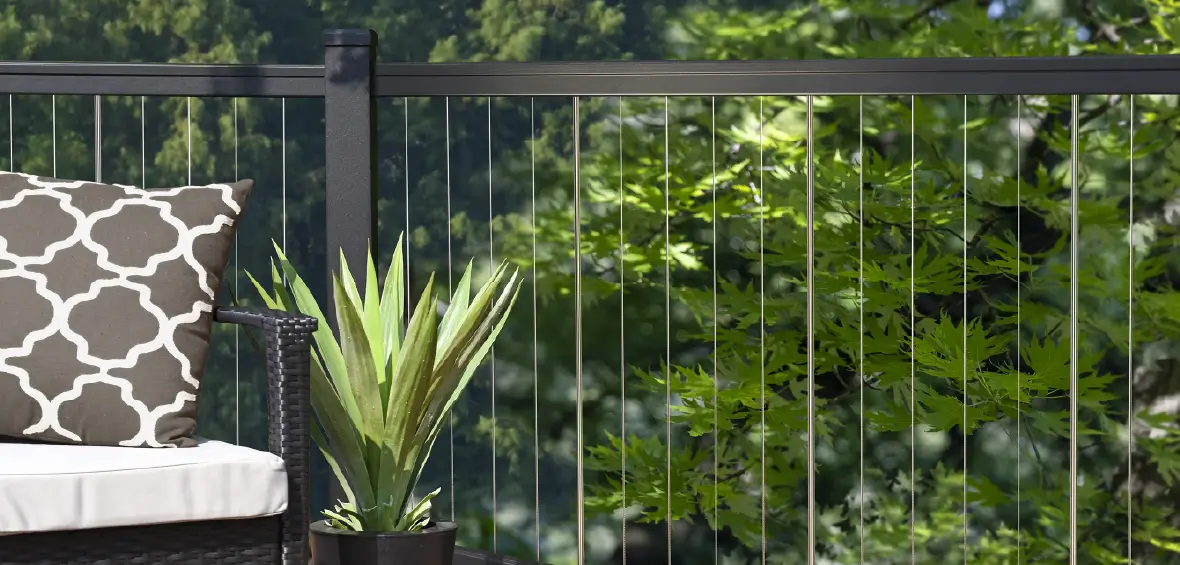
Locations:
column 48, row 487
column 107, row 293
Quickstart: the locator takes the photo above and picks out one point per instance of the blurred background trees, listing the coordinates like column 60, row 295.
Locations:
column 941, row 226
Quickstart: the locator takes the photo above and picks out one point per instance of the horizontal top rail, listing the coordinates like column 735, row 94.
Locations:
column 160, row 79
column 1143, row 74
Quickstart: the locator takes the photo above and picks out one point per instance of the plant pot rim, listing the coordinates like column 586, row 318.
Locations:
column 435, row 528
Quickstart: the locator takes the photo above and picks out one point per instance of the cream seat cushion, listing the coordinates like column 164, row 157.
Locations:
column 46, row 487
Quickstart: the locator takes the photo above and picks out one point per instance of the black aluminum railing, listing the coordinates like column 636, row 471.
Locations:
column 353, row 88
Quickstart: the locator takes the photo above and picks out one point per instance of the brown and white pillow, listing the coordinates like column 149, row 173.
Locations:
column 106, row 301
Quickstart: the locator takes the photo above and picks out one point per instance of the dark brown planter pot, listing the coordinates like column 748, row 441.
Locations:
column 434, row 545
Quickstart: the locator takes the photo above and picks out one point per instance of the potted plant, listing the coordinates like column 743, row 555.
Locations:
column 380, row 396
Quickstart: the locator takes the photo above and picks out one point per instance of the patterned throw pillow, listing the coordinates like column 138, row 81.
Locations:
column 106, row 300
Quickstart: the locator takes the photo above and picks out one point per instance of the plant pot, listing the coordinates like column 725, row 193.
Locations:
column 434, row 545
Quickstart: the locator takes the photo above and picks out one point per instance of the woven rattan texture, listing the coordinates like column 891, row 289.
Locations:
column 212, row 542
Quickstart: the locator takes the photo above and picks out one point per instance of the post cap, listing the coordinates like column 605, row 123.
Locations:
column 349, row 37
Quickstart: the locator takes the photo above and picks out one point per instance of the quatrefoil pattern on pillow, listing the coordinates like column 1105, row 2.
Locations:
column 106, row 301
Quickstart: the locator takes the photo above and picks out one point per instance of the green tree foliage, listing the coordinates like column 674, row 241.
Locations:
column 941, row 275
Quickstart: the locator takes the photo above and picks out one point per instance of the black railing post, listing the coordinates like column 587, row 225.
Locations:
column 350, row 168
column 350, row 124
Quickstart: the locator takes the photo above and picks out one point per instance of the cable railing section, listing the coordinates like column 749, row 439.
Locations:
column 850, row 314
column 810, row 91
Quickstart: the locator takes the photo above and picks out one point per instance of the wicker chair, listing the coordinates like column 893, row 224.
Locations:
column 273, row 539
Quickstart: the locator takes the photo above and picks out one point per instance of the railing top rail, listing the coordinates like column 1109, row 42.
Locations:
column 1150, row 74
column 162, row 79
column 159, row 69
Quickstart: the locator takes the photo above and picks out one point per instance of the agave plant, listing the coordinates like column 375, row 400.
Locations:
column 381, row 394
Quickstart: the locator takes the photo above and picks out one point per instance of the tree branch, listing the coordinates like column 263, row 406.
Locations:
column 1106, row 31
column 924, row 12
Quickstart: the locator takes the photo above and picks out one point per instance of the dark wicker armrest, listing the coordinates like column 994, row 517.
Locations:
column 288, row 339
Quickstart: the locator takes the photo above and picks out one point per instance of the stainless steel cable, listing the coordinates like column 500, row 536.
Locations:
column 578, row 327
column 810, row 336
column 965, row 330
column 1074, row 193
column 143, row 140
column 406, row 174
column 53, row 120
column 97, row 138
column 716, row 439
column 492, row 352
column 668, row 322
column 913, row 336
column 1019, row 324
column 450, row 290
column 188, row 120
column 237, row 287
column 536, row 372
column 622, row 348
column 762, row 208
column 861, row 312
column 283, row 147
column 1131, row 334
